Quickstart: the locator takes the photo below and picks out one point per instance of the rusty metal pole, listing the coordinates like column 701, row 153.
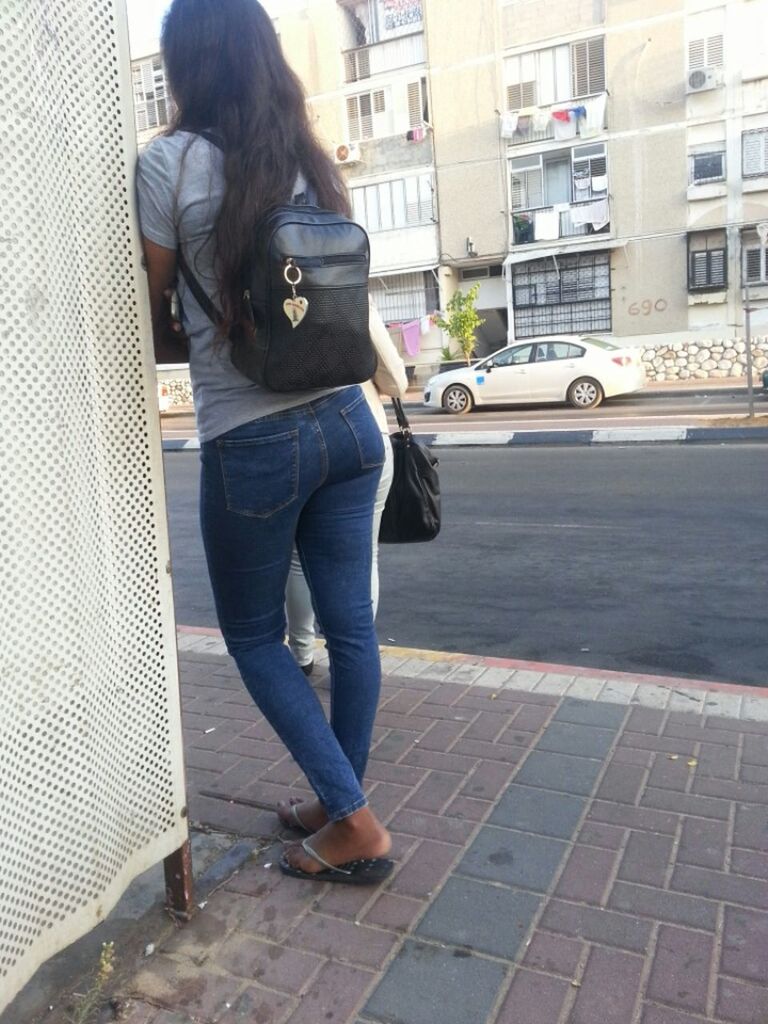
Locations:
column 179, row 884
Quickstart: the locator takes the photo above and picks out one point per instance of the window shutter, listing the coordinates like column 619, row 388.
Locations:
column 715, row 51
column 698, row 270
column 588, row 66
column 717, row 267
column 350, row 67
column 752, row 262
column 414, row 105
column 755, row 152
column 366, row 116
column 705, row 52
column 521, row 95
column 378, row 102
column 697, row 54
column 596, row 62
column 353, row 119
column 363, row 63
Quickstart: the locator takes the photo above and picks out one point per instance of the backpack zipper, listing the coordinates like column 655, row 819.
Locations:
column 342, row 259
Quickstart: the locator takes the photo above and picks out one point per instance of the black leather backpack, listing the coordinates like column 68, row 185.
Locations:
column 307, row 289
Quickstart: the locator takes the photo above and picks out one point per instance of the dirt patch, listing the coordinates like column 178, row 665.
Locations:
column 737, row 421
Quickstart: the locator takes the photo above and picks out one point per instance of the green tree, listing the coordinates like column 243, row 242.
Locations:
column 462, row 320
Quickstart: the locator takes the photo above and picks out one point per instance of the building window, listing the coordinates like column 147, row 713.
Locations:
column 404, row 296
column 556, row 74
column 401, row 203
column 481, row 273
column 569, row 295
column 706, row 166
column 150, row 94
column 357, row 65
column 706, row 52
column 755, row 265
column 754, row 153
column 565, row 176
column 365, row 22
column 707, row 261
column 418, row 104
column 367, row 115
column 588, row 67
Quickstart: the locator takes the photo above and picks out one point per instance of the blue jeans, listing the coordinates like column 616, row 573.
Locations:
column 307, row 475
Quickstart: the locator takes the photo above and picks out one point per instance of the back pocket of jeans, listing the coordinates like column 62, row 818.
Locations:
column 261, row 474
column 366, row 432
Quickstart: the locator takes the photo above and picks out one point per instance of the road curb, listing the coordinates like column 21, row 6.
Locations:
column 564, row 438
column 664, row 693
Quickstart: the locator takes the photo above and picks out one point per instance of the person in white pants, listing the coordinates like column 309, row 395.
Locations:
column 390, row 379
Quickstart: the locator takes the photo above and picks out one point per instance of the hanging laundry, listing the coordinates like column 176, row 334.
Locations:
column 565, row 128
column 577, row 113
column 600, row 183
column 547, row 225
column 582, row 215
column 411, row 337
column 425, row 325
column 581, row 184
column 594, row 121
column 509, row 124
column 415, row 135
column 600, row 215
column 523, row 124
column 540, row 120
column 522, row 225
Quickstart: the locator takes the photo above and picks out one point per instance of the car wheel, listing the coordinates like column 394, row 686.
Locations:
column 585, row 393
column 457, row 399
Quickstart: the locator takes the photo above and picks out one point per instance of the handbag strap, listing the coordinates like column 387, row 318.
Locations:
column 402, row 419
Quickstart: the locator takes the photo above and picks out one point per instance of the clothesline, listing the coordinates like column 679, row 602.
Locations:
column 585, row 118
column 411, row 332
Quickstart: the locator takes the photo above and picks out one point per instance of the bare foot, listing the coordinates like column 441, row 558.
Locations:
column 361, row 836
column 309, row 814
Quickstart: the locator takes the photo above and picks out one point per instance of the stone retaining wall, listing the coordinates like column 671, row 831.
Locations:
column 703, row 360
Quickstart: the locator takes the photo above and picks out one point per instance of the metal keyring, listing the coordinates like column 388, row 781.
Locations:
column 292, row 266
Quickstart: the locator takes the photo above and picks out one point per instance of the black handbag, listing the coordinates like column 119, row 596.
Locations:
column 412, row 511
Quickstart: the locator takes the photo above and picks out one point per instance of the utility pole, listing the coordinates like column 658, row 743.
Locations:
column 762, row 234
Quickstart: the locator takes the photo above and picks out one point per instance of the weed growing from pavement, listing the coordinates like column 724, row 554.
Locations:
column 89, row 1002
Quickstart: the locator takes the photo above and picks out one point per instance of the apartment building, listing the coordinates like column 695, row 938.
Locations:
column 595, row 165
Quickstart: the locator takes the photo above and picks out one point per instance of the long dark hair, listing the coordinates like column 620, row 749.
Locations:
column 227, row 74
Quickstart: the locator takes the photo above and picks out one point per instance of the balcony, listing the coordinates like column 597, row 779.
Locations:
column 566, row 220
column 519, row 127
column 380, row 58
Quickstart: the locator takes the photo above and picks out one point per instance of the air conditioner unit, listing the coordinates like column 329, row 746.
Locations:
column 347, row 153
column 704, row 79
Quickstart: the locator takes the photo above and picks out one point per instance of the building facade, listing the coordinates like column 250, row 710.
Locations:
column 597, row 166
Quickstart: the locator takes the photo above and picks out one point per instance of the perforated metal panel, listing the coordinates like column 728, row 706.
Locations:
column 90, row 747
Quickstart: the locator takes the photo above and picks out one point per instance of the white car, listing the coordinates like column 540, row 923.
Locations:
column 581, row 371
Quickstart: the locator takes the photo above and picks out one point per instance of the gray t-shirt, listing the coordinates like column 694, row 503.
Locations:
column 181, row 185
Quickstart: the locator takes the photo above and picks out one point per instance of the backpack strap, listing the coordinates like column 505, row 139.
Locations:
column 305, row 198
column 197, row 290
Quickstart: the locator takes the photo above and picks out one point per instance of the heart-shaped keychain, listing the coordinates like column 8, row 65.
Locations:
column 296, row 309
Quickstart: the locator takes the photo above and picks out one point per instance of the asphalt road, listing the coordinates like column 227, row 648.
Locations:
column 688, row 408
column 646, row 559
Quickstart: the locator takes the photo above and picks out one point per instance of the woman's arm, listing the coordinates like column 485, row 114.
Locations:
column 390, row 377
column 170, row 343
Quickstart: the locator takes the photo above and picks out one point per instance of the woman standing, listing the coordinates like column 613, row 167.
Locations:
column 277, row 468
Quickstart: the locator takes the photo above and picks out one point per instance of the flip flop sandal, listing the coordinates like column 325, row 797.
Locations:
column 353, row 872
column 295, row 821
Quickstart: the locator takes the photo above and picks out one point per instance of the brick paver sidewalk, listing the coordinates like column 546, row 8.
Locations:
column 559, row 860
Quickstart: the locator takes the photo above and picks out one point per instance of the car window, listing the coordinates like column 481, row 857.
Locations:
column 513, row 356
column 551, row 350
